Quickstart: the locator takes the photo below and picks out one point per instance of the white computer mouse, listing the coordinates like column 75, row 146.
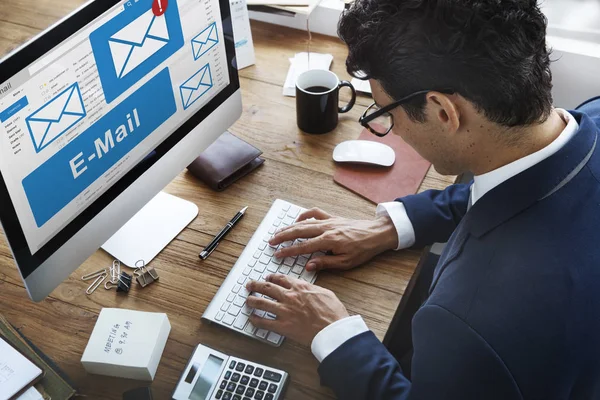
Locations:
column 364, row 152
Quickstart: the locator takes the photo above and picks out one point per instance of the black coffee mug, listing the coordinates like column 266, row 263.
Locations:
column 317, row 100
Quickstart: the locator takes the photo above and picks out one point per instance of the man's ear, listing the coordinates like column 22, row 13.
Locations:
column 446, row 111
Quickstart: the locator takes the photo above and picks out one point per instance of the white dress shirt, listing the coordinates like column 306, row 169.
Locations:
column 336, row 334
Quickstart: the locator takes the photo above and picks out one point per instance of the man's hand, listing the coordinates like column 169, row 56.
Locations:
column 302, row 309
column 349, row 243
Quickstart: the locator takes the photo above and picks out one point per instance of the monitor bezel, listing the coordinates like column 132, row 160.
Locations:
column 25, row 56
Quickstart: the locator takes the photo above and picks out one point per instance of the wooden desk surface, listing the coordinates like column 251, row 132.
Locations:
column 298, row 169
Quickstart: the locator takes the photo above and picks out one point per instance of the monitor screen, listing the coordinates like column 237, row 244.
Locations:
column 92, row 104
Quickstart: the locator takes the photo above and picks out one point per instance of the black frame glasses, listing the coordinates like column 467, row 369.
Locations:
column 367, row 118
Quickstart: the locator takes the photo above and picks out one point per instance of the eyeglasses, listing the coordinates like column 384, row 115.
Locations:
column 380, row 122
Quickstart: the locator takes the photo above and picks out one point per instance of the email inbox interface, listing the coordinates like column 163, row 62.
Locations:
column 79, row 124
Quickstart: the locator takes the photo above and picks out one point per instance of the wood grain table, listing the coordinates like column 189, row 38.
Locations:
column 298, row 169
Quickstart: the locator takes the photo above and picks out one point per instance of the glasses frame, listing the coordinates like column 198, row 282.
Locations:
column 366, row 119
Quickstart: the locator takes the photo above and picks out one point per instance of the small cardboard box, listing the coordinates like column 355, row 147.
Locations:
column 126, row 344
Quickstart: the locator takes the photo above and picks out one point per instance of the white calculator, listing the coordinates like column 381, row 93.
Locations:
column 213, row 375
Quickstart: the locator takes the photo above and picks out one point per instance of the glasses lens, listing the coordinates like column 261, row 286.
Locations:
column 382, row 124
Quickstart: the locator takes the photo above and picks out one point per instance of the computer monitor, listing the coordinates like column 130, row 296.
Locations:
column 98, row 114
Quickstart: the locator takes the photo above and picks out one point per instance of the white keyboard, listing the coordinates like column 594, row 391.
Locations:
column 228, row 307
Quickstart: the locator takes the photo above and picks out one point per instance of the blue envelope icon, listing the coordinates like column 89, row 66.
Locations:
column 206, row 40
column 56, row 117
column 195, row 87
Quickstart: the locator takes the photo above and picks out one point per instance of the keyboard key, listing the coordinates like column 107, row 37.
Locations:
column 262, row 333
column 239, row 301
column 220, row 316
column 250, row 328
column 249, row 369
column 247, row 310
column 272, row 388
column 235, row 378
column 246, row 379
column 272, row 267
column 224, row 383
column 284, row 245
column 240, row 322
column 247, row 271
column 231, row 387
column 219, row 394
column 250, row 391
column 259, row 313
column 259, row 395
column 227, row 396
column 252, row 263
column 236, row 288
column 240, row 367
column 293, row 275
column 272, row 231
column 244, row 292
column 254, row 275
column 228, row 319
column 277, row 261
column 225, row 307
column 274, row 338
column 288, row 220
column 258, row 373
column 240, row 389
column 264, row 259
column 234, row 310
column 293, row 212
column 266, row 238
column 270, row 316
column 269, row 396
column 283, row 223
column 284, row 270
column 261, row 267
column 254, row 381
column 263, row 385
column 242, row 280
column 270, row 251
column 308, row 275
column 289, row 261
column 262, row 246
column 286, row 207
column 281, row 215
column 272, row 376
column 228, row 373
column 297, row 269
column 302, row 261
column 232, row 366
column 276, row 223
column 230, row 297
column 257, row 254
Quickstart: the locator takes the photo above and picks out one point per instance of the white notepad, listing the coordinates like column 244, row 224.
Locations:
column 16, row 371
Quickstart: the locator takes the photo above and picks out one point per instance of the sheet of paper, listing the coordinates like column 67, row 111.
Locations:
column 16, row 371
column 361, row 86
column 301, row 63
column 244, row 45
column 31, row 394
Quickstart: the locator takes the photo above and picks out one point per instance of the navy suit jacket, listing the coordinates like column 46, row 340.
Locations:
column 514, row 307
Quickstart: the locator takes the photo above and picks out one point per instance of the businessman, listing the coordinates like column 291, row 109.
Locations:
column 514, row 306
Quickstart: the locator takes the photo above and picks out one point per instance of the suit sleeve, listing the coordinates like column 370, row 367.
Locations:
column 436, row 213
column 450, row 361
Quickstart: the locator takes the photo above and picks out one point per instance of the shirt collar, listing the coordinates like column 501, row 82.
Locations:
column 486, row 182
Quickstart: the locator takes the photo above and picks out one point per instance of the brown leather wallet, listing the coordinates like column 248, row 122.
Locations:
column 225, row 161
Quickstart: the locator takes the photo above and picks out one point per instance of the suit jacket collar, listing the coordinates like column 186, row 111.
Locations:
column 521, row 191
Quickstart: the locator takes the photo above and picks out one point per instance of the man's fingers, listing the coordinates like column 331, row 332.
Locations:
column 308, row 247
column 263, row 323
column 280, row 280
column 328, row 262
column 261, row 303
column 315, row 213
column 267, row 288
column 297, row 232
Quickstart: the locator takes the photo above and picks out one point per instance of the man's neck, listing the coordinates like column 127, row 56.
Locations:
column 495, row 153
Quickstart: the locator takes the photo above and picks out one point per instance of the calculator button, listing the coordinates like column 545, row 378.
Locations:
column 228, row 374
column 250, row 392
column 259, row 395
column 240, row 389
column 272, row 376
column 231, row 387
column 235, row 378
column 223, row 385
column 258, row 373
column 236, row 397
column 240, row 367
column 263, row 385
column 232, row 365
column 219, row 394
column 246, row 398
column 249, row 369
column 227, row 396
column 254, row 382
column 272, row 388
column 269, row 396
column 245, row 379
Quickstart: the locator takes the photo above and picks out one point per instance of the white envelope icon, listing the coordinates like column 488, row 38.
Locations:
column 196, row 86
column 206, row 40
column 56, row 117
column 137, row 42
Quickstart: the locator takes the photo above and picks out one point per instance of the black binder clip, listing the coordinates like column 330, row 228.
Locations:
column 124, row 282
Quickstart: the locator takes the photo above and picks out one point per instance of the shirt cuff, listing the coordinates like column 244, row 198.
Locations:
column 335, row 335
column 397, row 213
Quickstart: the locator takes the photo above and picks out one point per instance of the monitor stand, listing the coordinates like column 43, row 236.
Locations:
column 151, row 229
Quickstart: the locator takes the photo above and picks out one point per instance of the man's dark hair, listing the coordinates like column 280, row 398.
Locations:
column 491, row 52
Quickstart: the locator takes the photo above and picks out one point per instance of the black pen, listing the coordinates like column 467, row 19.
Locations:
column 215, row 242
